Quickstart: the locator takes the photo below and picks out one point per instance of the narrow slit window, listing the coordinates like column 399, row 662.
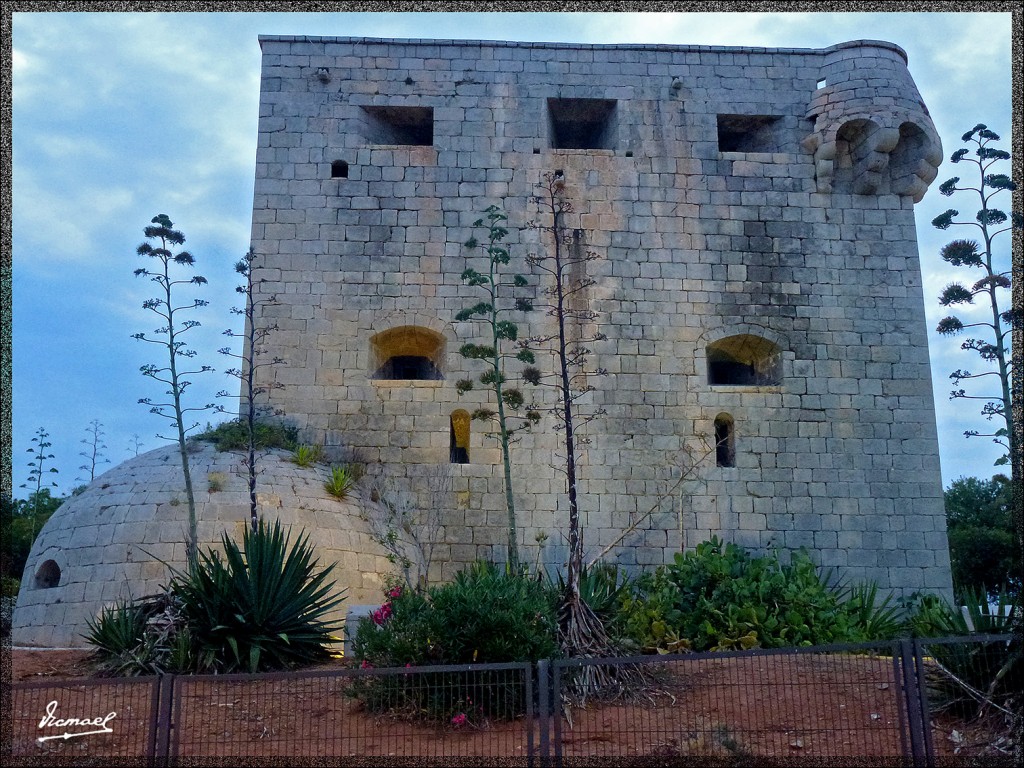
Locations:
column 459, row 444
column 725, row 441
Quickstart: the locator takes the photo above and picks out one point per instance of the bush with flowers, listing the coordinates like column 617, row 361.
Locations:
column 486, row 615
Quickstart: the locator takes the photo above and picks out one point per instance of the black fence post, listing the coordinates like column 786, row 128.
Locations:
column 916, row 724
column 543, row 713
column 922, row 689
column 162, row 722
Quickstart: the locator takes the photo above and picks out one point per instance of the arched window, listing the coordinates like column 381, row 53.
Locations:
column 407, row 353
column 459, row 446
column 48, row 575
column 725, row 440
column 744, row 360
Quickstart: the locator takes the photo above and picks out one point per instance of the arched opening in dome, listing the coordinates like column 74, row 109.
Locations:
column 47, row 575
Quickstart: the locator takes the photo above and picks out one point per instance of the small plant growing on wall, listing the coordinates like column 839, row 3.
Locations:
column 500, row 333
column 308, row 455
column 342, row 481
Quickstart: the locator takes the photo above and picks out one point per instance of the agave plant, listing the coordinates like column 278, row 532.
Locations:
column 342, row 480
column 308, row 455
column 144, row 637
column 261, row 606
column 871, row 618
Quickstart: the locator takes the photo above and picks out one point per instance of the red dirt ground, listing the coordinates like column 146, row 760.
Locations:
column 783, row 707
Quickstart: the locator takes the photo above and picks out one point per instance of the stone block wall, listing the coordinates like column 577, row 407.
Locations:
column 757, row 283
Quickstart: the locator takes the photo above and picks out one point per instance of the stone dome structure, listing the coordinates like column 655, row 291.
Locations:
column 121, row 536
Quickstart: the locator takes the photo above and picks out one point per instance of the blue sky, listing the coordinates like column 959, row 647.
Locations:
column 118, row 117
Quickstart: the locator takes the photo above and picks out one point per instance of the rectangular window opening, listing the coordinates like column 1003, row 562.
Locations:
column 749, row 133
column 582, row 123
column 409, row 126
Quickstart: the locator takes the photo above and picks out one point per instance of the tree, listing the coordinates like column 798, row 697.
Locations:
column 253, row 338
column 94, row 444
column 21, row 521
column 581, row 633
column 992, row 344
column 37, row 471
column 982, row 551
column 169, row 336
column 498, row 304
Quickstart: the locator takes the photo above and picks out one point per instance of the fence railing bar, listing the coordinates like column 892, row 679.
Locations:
column 885, row 648
column 911, row 694
column 901, row 703
column 922, row 690
column 162, row 720
column 543, row 713
column 555, row 701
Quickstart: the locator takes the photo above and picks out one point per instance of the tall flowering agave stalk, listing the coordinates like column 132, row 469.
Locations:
column 161, row 239
column 993, row 331
column 494, row 353
column 581, row 632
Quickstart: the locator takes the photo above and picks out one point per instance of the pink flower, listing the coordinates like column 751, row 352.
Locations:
column 459, row 719
column 366, row 665
column 395, row 592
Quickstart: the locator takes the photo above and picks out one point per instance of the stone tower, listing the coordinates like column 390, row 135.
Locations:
column 758, row 285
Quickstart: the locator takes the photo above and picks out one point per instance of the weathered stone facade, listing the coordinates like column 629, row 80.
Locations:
column 758, row 286
column 758, row 282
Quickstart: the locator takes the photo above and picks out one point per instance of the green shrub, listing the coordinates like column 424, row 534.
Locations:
column 261, row 606
column 957, row 672
column 720, row 598
column 486, row 615
column 142, row 637
column 931, row 616
column 342, row 480
column 9, row 586
column 869, row 618
column 604, row 587
column 308, row 455
column 234, row 435
column 258, row 607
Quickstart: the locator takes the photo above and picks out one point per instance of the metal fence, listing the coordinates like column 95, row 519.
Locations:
column 910, row 702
